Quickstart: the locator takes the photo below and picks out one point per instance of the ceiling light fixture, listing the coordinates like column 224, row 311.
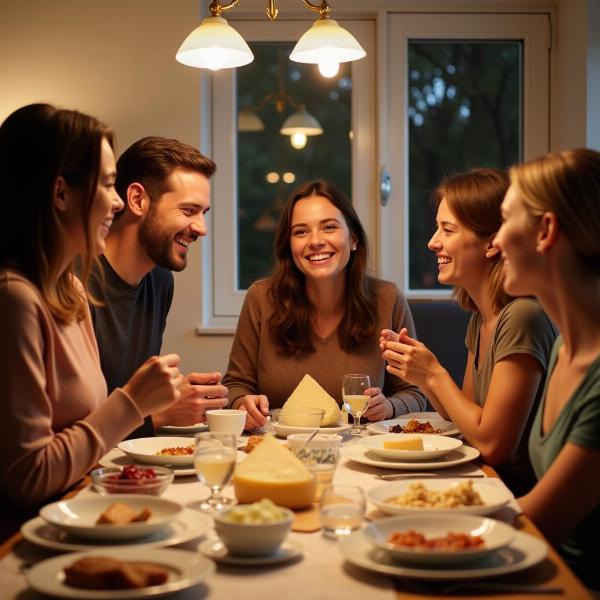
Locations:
column 299, row 125
column 215, row 45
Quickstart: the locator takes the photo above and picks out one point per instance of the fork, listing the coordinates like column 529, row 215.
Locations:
column 394, row 476
column 483, row 586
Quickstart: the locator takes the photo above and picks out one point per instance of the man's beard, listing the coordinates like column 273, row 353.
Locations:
column 157, row 243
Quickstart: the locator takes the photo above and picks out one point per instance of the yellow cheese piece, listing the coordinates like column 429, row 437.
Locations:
column 272, row 471
column 415, row 443
column 309, row 394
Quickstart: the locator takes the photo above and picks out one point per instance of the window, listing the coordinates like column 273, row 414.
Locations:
column 467, row 91
column 242, row 196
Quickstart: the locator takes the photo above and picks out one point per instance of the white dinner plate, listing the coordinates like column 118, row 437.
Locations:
column 285, row 430
column 186, row 569
column 446, row 427
column 189, row 525
column 493, row 497
column 524, row 552
column 79, row 516
column 495, row 534
column 215, row 549
column 433, row 446
column 176, row 429
column 117, row 458
column 144, row 450
column 362, row 455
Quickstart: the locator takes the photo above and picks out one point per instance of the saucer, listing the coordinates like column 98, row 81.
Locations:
column 215, row 549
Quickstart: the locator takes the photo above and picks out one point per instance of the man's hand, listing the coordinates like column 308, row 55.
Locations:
column 199, row 392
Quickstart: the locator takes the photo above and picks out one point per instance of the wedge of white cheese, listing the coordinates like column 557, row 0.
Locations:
column 272, row 471
column 309, row 394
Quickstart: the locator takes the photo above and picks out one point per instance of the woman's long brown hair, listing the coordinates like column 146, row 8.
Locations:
column 292, row 322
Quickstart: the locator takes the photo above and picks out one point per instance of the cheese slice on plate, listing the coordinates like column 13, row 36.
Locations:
column 272, row 471
column 309, row 394
column 415, row 443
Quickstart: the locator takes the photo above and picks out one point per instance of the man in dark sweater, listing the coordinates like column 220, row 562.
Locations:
column 164, row 185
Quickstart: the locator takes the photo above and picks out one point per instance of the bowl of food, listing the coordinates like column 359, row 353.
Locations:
column 106, row 518
column 439, row 539
column 468, row 496
column 132, row 479
column 302, row 417
column 256, row 529
column 411, row 447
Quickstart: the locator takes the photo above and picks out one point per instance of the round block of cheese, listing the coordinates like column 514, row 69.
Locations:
column 272, row 471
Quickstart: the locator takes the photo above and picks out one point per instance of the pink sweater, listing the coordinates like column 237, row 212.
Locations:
column 55, row 418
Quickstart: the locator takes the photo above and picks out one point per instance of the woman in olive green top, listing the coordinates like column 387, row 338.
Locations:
column 509, row 339
column 550, row 242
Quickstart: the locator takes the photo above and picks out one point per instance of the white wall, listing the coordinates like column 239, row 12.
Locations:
column 115, row 59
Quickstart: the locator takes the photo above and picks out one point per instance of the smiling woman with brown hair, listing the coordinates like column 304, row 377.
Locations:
column 57, row 173
column 320, row 313
column 508, row 340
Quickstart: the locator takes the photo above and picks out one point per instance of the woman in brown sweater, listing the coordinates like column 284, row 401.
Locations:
column 57, row 173
column 320, row 313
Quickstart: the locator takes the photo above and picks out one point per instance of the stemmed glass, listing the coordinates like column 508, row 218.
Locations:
column 355, row 401
column 214, row 460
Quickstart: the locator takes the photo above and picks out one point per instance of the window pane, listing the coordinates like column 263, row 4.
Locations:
column 269, row 168
column 465, row 111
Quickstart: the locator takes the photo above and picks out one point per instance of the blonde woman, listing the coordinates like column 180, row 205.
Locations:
column 550, row 243
column 508, row 340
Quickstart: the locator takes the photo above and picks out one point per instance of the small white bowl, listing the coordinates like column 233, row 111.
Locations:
column 226, row 420
column 301, row 417
column 253, row 539
column 434, row 446
column 495, row 534
column 78, row 516
column 144, row 450
column 493, row 497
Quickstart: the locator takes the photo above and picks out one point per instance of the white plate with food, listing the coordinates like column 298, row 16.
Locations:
column 411, row 447
column 118, row 458
column 468, row 496
column 181, row 568
column 112, row 517
column 362, row 455
column 215, row 549
column 285, row 430
column 433, row 540
column 414, row 425
column 523, row 552
column 179, row 429
column 166, row 450
column 189, row 525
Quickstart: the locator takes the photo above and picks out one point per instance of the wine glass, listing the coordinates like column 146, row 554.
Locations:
column 355, row 401
column 214, row 460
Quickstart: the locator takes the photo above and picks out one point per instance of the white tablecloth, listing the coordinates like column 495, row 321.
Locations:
column 321, row 574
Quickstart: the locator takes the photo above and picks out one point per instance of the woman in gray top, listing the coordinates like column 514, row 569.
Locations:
column 508, row 339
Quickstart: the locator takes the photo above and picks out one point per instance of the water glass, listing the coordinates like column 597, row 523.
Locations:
column 355, row 401
column 215, row 457
column 342, row 510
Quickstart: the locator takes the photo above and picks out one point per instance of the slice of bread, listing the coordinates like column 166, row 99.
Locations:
column 105, row 573
column 121, row 514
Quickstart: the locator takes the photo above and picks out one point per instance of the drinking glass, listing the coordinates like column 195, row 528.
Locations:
column 214, row 460
column 355, row 401
column 342, row 509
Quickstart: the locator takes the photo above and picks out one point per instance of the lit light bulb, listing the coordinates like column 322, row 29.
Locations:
column 298, row 140
column 329, row 67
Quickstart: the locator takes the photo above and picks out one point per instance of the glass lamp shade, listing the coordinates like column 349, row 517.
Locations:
column 248, row 120
column 214, row 45
column 301, row 122
column 326, row 41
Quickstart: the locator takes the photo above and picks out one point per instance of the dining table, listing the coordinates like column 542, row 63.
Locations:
column 321, row 571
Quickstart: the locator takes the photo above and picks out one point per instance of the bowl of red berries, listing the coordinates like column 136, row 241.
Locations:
column 132, row 479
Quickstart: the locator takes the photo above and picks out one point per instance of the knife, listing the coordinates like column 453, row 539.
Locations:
column 394, row 476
